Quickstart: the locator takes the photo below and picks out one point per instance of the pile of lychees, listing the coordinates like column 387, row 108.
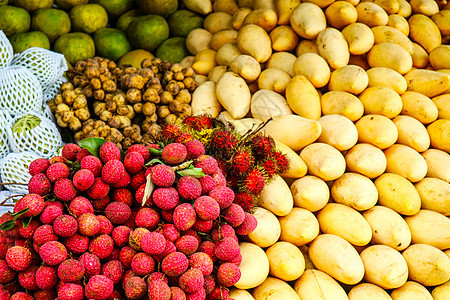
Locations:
column 157, row 222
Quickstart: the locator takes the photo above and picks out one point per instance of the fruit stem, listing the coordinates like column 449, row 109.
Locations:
column 183, row 165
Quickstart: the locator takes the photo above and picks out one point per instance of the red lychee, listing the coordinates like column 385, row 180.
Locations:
column 170, row 232
column 21, row 296
column 33, row 202
column 77, row 243
column 139, row 195
column 46, row 277
column 88, row 224
column 100, row 204
column 135, row 238
column 234, row 215
column 43, row 234
column 228, row 274
column 141, row 149
column 80, row 205
column 122, row 195
column 118, row 212
column 158, row 289
column 227, row 249
column 191, row 281
column 174, row 264
column 174, row 153
column 184, row 216
column 109, row 151
column 162, row 175
column 142, row 264
column 166, row 198
column 186, row 244
column 53, row 253
column 223, row 195
column 219, row 178
column 45, row 295
column 70, row 270
column 202, row 226
column 39, row 165
column 209, row 284
column 39, row 184
column 99, row 287
column 71, row 291
column 147, row 218
column 101, row 246
column 91, row 264
column 133, row 162
column 18, row 258
column 201, row 261
column 194, row 149
column 57, row 159
column 65, row 190
column 69, row 151
column 112, row 171
column 169, row 248
column 223, row 231
column 189, row 187
column 106, row 227
column 207, row 208
column 83, row 179
column 114, row 270
column 248, row 225
column 137, row 180
column 27, row 232
column 82, row 154
column 153, row 243
column 57, row 171
column 207, row 163
column 6, row 273
column 65, row 225
column 27, row 278
column 126, row 254
column 120, row 235
column 92, row 164
column 208, row 183
column 135, row 288
column 177, row 293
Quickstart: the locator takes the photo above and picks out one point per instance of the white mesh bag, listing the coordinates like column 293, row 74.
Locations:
column 46, row 112
column 14, row 168
column 46, row 65
column 4, row 143
column 6, row 50
column 52, row 90
column 34, row 132
column 20, row 91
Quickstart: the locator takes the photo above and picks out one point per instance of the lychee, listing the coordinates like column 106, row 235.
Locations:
column 92, row 164
column 223, row 195
column 100, row 204
column 88, row 224
column 169, row 248
column 248, row 225
column 186, row 244
column 6, row 273
column 57, row 159
column 27, row 232
column 142, row 264
column 207, row 163
column 80, row 205
column 189, row 187
column 208, row 247
column 99, row 287
column 137, row 180
column 18, row 258
column 106, row 227
column 223, row 231
column 39, row 184
column 158, row 289
column 27, row 278
column 101, row 246
column 114, row 270
column 91, row 264
column 112, row 171
column 109, row 151
column 43, row 234
column 120, row 235
column 114, row 254
column 65, row 225
column 194, row 149
column 202, row 226
column 33, row 202
column 201, row 261
column 71, row 291
column 191, row 281
column 153, row 243
column 234, row 215
column 118, row 212
column 133, row 162
column 83, row 179
column 39, row 165
column 70, row 270
column 166, row 198
column 184, row 216
column 157, row 276
column 209, row 284
column 174, row 153
column 126, row 254
column 99, row 189
column 200, row 294
column 124, row 181
column 46, row 277
column 228, row 274
column 174, row 264
column 21, row 296
column 139, row 195
column 77, row 243
column 69, row 151
column 218, row 292
column 53, row 253
column 64, row 190
column 162, row 175
column 122, row 195
column 147, row 218
column 141, row 149
column 167, row 215
column 57, row 171
column 135, row 288
column 177, row 293
column 45, row 295
column 135, row 237
column 207, row 208
column 227, row 249
column 82, row 154
column 170, row 232
column 208, row 183
column 219, row 178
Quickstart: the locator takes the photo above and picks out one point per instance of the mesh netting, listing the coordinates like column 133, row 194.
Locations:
column 46, row 112
column 20, row 91
column 46, row 65
column 6, row 50
column 52, row 90
column 14, row 168
column 42, row 136
column 4, row 144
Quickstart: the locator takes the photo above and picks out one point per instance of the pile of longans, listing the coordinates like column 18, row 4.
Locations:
column 98, row 228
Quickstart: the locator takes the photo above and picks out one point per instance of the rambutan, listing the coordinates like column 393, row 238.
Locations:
column 241, row 162
column 281, row 161
column 270, row 167
column 261, row 146
column 223, row 141
column 183, row 138
column 244, row 200
column 198, row 122
column 254, row 181
column 171, row 132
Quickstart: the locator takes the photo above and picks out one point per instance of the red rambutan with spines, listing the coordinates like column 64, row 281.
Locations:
column 183, row 138
column 223, row 141
column 261, row 146
column 241, row 162
column 281, row 160
column 269, row 166
column 245, row 200
column 254, row 181
column 171, row 132
column 198, row 122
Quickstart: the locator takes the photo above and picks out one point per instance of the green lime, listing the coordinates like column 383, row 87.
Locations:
column 14, row 20
column 173, row 50
column 134, row 58
column 68, row 4
column 124, row 20
column 75, row 46
column 88, row 18
column 111, row 43
column 148, row 32
column 158, row 7
column 23, row 41
column 32, row 5
column 115, row 7
column 51, row 21
column 184, row 21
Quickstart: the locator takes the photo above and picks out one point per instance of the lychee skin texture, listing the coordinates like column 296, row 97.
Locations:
column 133, row 162
column 53, row 253
column 223, row 195
column 92, row 164
column 33, row 202
column 177, row 293
column 141, row 149
column 203, row 226
column 158, row 289
column 43, row 234
column 6, row 273
column 207, row 163
column 135, row 288
column 207, row 208
column 157, row 276
column 106, row 227
column 71, row 291
column 114, row 270
column 65, row 225
column 27, row 278
column 147, row 218
column 201, row 261
column 82, row 154
column 186, row 244
column 169, row 248
column 45, row 294
column 184, row 216
column 18, row 258
column 21, row 296
column 174, row 153
column 208, row 183
column 77, row 243
column 80, row 205
column 88, row 224
column 225, row 230
column 99, row 287
column 91, row 264
column 57, row 171
column 83, row 179
column 142, row 264
column 64, row 190
column 135, row 238
column 189, row 187
column 162, row 175
column 248, row 226
column 209, row 284
column 112, row 171
column 70, row 270
column 39, row 184
column 153, row 243
column 191, row 281
column 174, row 264
column 122, row 195
column 118, row 212
column 37, row 166
column 46, row 277
column 194, row 149
column 101, row 246
column 228, row 274
column 124, row 181
column 99, row 189
column 227, row 249
column 120, row 235
column 170, row 232
column 126, row 254
column 109, row 151
column 166, row 198
column 234, row 215
column 70, row 150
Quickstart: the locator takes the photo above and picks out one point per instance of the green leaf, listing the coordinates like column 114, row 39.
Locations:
column 153, row 162
column 10, row 224
column 19, row 213
column 92, row 145
column 26, row 222
column 155, row 151
column 195, row 172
